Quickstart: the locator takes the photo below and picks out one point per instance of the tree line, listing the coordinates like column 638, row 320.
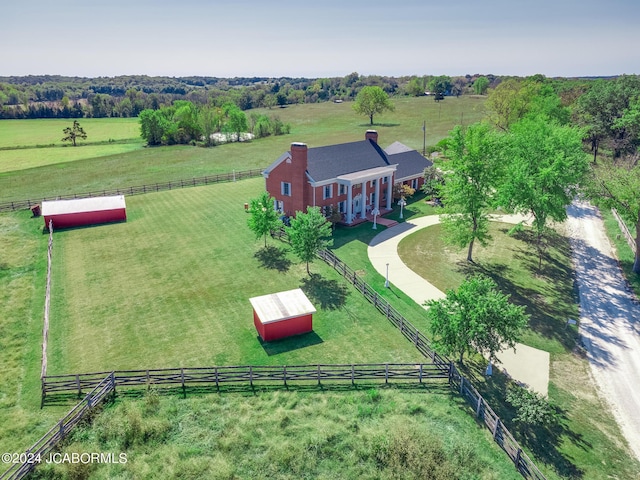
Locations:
column 50, row 96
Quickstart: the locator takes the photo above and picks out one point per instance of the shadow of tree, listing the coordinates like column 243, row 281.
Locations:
column 328, row 294
column 544, row 441
column 547, row 319
column 273, row 258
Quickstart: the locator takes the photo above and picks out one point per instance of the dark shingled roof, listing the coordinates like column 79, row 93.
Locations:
column 410, row 163
column 325, row 163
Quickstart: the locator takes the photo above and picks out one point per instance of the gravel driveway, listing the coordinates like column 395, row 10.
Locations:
column 609, row 319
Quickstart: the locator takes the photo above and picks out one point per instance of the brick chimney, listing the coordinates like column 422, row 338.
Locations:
column 371, row 135
column 299, row 155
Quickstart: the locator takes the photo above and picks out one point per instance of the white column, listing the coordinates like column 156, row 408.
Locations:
column 349, row 203
column 377, row 204
column 363, row 204
column 389, row 191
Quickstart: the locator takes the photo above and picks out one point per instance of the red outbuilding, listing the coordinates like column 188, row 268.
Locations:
column 283, row 314
column 84, row 211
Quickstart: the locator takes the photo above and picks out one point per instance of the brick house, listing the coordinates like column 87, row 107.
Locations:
column 356, row 178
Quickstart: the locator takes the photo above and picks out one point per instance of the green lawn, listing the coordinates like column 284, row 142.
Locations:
column 22, row 279
column 48, row 132
column 171, row 287
column 38, row 172
column 587, row 442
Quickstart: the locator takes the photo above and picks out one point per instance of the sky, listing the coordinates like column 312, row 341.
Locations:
column 326, row 38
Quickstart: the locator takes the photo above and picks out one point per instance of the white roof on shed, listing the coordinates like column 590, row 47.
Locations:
column 280, row 306
column 80, row 205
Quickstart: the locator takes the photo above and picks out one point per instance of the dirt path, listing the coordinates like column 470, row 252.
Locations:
column 609, row 319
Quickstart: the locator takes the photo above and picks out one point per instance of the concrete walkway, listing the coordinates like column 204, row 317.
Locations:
column 527, row 365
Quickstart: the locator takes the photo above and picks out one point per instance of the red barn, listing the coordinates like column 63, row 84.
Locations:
column 84, row 211
column 283, row 314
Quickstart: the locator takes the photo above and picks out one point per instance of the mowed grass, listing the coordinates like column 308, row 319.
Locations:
column 171, row 288
column 371, row 433
column 586, row 443
column 48, row 132
column 22, row 282
column 315, row 124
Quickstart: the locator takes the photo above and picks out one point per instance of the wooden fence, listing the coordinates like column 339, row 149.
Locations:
column 139, row 190
column 625, row 230
column 248, row 375
column 101, row 384
column 47, row 304
column 39, row 450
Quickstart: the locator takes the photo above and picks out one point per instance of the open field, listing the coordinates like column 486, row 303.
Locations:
column 22, row 280
column 170, row 288
column 315, row 124
column 364, row 434
column 588, row 443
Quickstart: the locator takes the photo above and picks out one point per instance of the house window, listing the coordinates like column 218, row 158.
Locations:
column 414, row 183
column 384, row 179
column 285, row 188
column 342, row 189
column 342, row 207
column 373, row 183
column 327, row 192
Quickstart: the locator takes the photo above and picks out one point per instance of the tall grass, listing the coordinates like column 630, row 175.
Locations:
column 364, row 434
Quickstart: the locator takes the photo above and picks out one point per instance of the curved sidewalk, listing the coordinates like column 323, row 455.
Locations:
column 527, row 365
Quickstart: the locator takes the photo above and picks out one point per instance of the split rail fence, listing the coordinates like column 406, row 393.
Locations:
column 139, row 190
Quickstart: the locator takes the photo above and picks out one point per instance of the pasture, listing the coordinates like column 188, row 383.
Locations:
column 37, row 172
column 170, row 288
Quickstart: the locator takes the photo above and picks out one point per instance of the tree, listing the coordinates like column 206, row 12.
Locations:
column 308, row 234
column 610, row 112
column 481, row 85
column 236, row 120
column 153, row 125
column 475, row 318
column 433, row 181
column 544, row 163
column 470, row 177
column 71, row 134
column 440, row 86
column 372, row 100
column 509, row 102
column 263, row 217
column 402, row 190
column 616, row 184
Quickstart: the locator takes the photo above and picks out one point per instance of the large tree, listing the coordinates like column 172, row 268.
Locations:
column 470, row 177
column 309, row 233
column 372, row 100
column 236, row 120
column 616, row 184
column 509, row 102
column 481, row 85
column 475, row 318
column 263, row 217
column 543, row 164
column 71, row 134
column 610, row 111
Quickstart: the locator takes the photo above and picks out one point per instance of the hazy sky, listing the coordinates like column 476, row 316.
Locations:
column 321, row 38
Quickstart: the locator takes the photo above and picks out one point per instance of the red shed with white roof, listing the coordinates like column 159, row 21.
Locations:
column 282, row 314
column 84, row 211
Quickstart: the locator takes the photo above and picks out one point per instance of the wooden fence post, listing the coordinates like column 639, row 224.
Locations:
column 318, row 374
column 479, row 406
column 284, row 375
column 496, row 428
column 420, row 376
column 353, row 382
column 518, row 458
column 184, row 390
column 215, row 370
column 386, row 373
column 78, row 385
column 61, row 429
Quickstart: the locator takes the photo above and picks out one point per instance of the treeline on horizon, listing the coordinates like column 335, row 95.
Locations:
column 53, row 96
